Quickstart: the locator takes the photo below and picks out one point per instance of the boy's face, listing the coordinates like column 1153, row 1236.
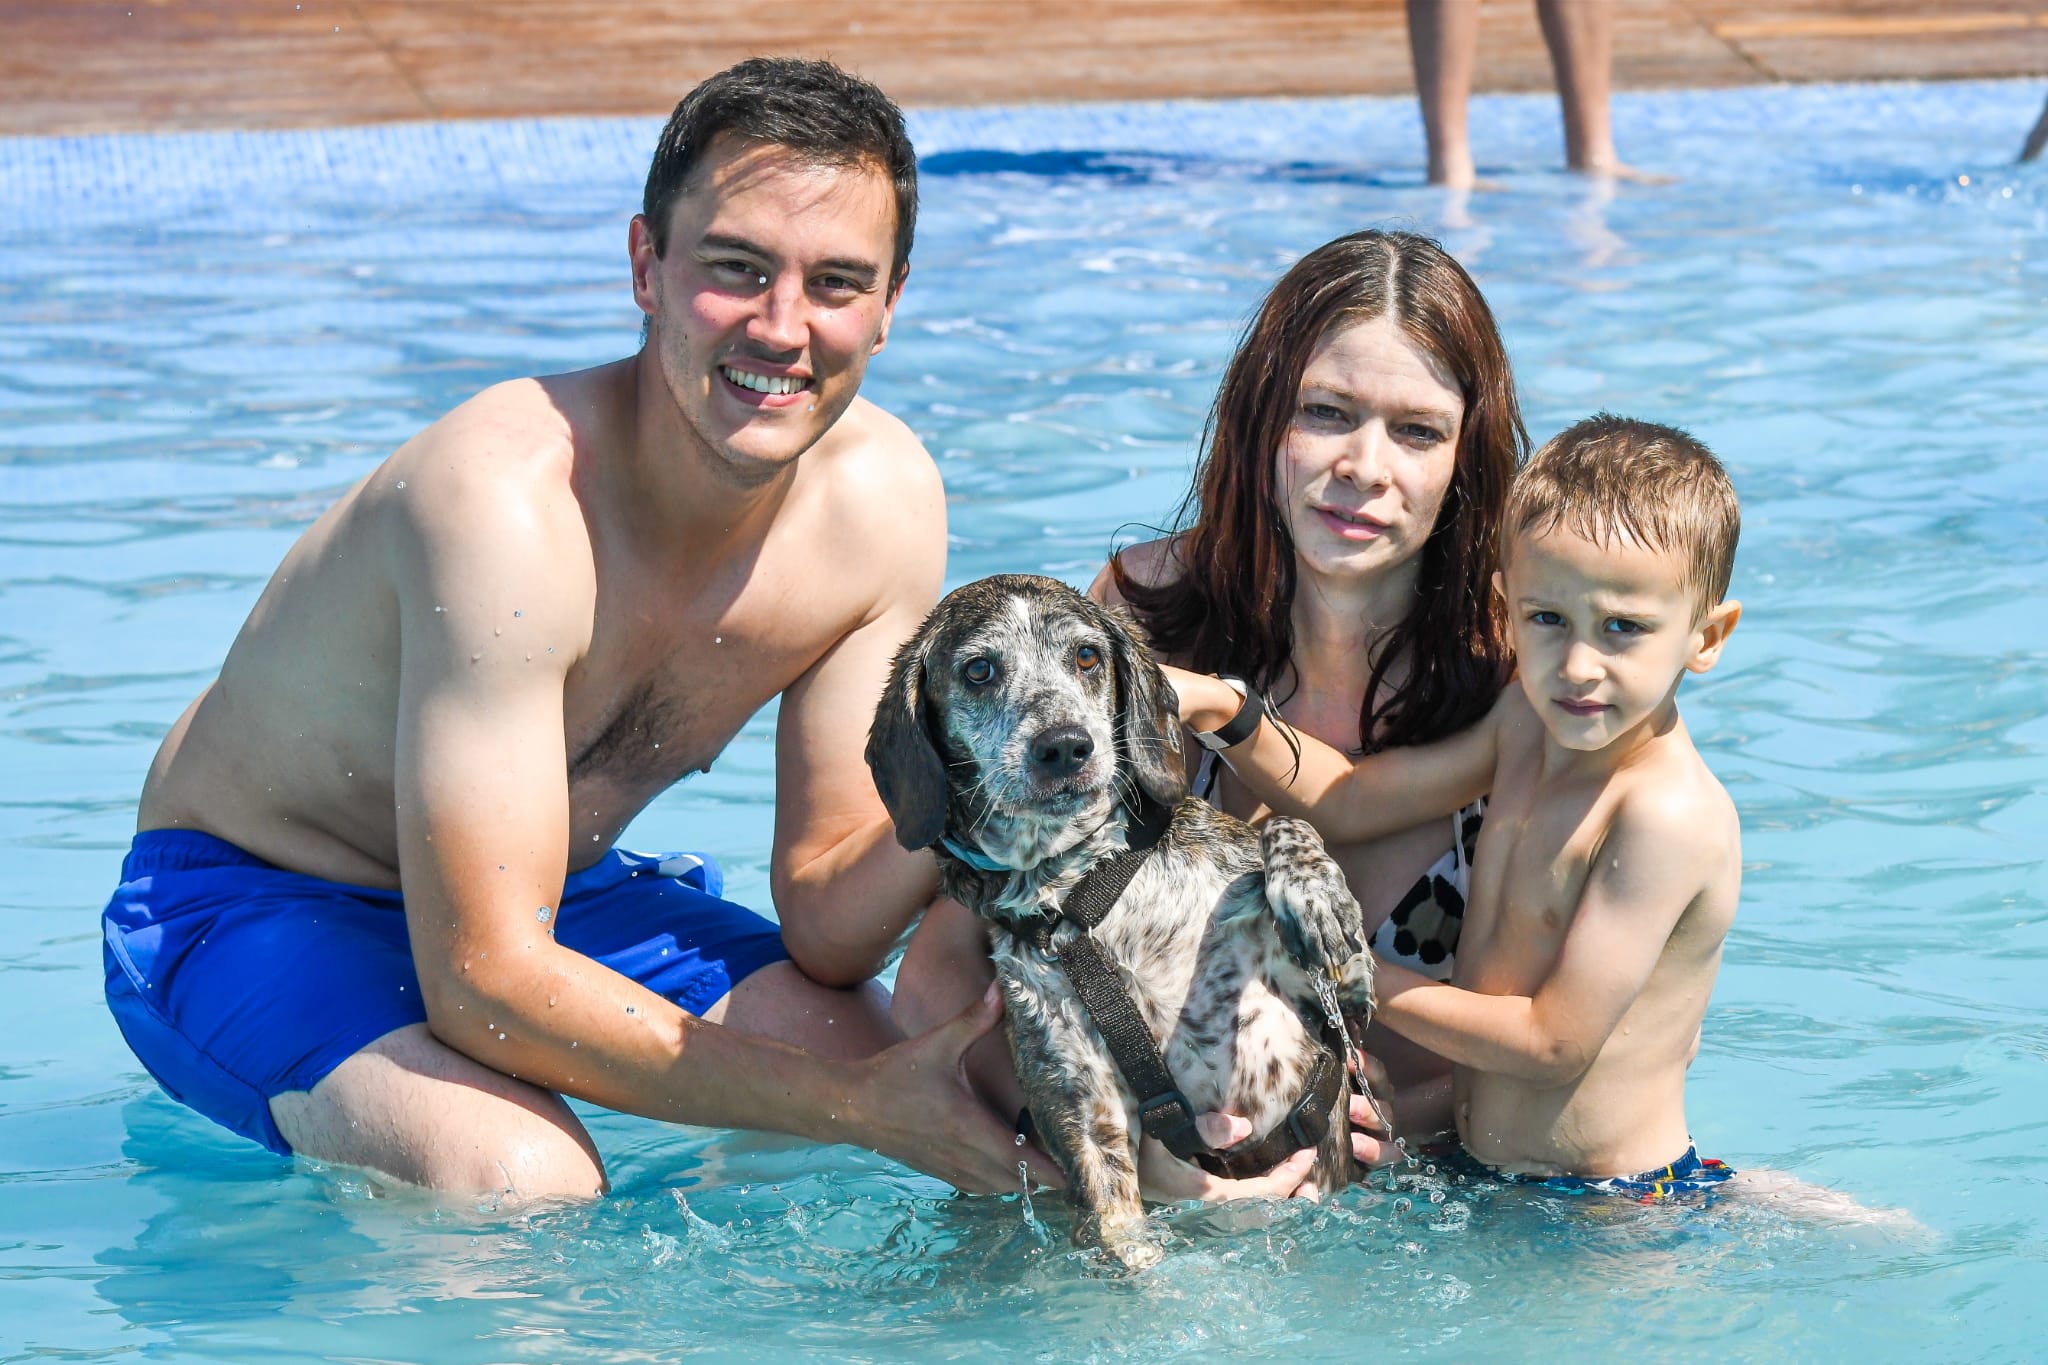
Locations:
column 1603, row 633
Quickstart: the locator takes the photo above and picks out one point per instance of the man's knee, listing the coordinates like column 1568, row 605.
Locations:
column 534, row 1159
column 945, row 968
column 412, row 1108
column 780, row 1002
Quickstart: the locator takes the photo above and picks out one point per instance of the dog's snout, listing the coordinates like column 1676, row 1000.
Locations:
column 1061, row 750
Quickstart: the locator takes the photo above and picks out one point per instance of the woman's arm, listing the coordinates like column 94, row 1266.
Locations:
column 1346, row 799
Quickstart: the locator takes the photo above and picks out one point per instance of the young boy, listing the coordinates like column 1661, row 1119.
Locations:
column 1607, row 871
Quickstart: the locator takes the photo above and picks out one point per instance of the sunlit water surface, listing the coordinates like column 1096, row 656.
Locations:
column 204, row 340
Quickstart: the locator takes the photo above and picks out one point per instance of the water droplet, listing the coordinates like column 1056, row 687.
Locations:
column 474, row 657
column 501, row 1037
column 572, row 1043
column 518, row 614
column 718, row 639
column 1020, row 1143
column 544, row 914
column 497, row 630
column 401, row 483
column 631, row 1010
column 440, row 608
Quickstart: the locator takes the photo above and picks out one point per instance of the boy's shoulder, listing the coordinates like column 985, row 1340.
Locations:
column 1675, row 804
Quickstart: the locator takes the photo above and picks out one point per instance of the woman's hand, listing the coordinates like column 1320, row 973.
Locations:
column 1206, row 702
column 1165, row 1178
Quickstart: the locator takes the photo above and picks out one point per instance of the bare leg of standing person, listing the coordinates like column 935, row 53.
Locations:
column 2038, row 138
column 1443, row 38
column 1580, row 36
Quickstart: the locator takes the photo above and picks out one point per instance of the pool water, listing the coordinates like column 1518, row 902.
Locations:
column 204, row 339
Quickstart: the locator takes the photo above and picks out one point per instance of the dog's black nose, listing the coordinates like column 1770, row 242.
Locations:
column 1061, row 751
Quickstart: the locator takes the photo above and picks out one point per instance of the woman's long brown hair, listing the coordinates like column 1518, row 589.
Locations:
column 1227, row 606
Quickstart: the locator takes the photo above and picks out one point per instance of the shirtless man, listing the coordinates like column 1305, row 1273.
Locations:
column 373, row 913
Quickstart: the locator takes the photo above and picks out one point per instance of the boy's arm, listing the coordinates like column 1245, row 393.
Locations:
column 1345, row 798
column 1652, row 866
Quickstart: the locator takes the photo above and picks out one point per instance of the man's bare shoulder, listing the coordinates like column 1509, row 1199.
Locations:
column 513, row 436
column 509, row 449
column 879, row 493
column 872, row 446
column 484, row 501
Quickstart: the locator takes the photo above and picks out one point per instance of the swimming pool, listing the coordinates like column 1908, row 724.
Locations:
column 203, row 339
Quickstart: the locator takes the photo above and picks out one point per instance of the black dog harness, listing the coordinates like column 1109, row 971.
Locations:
column 1163, row 1110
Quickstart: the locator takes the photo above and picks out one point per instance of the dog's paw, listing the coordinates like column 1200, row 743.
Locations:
column 1132, row 1249
column 1318, row 918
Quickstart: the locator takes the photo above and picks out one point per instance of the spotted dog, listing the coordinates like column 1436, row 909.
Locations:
column 1025, row 735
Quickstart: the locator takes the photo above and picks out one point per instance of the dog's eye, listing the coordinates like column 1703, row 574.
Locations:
column 979, row 671
column 1086, row 658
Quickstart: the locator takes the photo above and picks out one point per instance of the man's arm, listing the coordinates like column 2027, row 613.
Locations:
column 486, row 588
column 845, row 890
column 1651, row 867
column 1348, row 799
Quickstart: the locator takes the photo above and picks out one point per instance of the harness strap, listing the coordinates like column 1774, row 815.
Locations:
column 1163, row 1111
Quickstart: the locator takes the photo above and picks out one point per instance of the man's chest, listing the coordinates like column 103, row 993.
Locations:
column 659, row 695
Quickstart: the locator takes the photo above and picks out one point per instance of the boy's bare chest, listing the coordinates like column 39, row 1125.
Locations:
column 1528, row 872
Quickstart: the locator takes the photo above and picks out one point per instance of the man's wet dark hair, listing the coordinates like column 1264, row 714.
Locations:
column 813, row 108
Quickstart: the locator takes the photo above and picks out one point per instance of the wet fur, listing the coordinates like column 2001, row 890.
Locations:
column 1216, row 936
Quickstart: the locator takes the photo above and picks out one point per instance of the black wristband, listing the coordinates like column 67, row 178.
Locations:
column 1239, row 727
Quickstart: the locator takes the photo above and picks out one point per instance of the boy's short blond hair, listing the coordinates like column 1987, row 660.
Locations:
column 1610, row 476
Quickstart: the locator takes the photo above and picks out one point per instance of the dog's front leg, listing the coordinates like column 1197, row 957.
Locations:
column 1319, row 921
column 1078, row 1105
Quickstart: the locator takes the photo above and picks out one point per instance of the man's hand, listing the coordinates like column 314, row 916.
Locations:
column 914, row 1103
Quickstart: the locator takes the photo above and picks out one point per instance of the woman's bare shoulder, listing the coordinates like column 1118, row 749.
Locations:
column 1150, row 564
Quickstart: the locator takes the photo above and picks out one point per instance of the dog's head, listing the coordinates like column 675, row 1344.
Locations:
column 1017, row 717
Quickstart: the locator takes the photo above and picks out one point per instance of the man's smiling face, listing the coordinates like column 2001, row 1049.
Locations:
column 772, row 295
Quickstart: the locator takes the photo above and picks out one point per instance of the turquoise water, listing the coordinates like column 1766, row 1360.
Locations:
column 204, row 340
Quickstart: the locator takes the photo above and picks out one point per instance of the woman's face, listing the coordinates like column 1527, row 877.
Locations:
column 1369, row 452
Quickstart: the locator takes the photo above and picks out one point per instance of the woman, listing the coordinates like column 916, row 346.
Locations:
column 1339, row 554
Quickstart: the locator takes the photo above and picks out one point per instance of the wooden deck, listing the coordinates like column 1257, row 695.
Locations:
column 79, row 66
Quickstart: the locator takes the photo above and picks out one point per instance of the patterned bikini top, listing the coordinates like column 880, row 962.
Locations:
column 1422, row 932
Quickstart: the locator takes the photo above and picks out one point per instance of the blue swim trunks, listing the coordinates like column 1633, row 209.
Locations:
column 235, row 980
column 1691, row 1176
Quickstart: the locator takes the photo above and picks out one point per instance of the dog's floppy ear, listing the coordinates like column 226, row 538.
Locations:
column 1147, row 713
column 909, row 773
